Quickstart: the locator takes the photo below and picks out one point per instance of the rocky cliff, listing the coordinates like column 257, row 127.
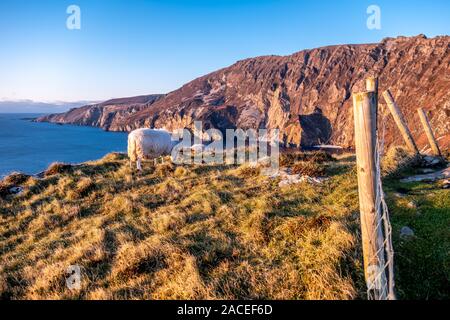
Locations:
column 106, row 115
column 307, row 95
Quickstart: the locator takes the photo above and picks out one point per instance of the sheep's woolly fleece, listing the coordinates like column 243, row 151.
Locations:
column 149, row 144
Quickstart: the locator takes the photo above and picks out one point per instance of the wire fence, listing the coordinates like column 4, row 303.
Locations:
column 380, row 282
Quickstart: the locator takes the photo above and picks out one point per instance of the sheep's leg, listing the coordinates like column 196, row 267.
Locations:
column 139, row 164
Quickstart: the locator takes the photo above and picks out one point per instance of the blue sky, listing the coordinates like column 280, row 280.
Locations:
column 127, row 48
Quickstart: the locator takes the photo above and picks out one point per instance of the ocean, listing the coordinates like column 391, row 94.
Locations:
column 31, row 147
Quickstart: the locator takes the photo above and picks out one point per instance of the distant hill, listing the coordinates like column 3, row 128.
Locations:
column 306, row 95
column 29, row 106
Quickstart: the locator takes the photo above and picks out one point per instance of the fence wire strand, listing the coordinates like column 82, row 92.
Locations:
column 381, row 285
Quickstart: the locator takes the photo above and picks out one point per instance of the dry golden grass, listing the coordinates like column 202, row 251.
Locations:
column 179, row 232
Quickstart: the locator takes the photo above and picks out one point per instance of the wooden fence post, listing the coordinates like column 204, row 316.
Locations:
column 427, row 127
column 365, row 110
column 400, row 121
column 372, row 84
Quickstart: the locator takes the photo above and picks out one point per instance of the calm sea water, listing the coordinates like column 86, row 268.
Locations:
column 31, row 147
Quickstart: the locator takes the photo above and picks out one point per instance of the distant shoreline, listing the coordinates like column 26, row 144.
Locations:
column 30, row 147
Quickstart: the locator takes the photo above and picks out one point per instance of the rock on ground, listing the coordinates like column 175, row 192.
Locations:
column 442, row 174
column 406, row 232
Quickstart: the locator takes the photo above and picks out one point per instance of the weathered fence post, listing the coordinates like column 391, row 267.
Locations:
column 427, row 127
column 372, row 86
column 365, row 114
column 400, row 121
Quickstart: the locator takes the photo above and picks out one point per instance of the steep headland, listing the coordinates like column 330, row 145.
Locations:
column 307, row 94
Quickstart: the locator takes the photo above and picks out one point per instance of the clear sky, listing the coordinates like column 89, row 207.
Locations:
column 134, row 47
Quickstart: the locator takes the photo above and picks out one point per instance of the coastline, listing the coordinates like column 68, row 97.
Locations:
column 30, row 147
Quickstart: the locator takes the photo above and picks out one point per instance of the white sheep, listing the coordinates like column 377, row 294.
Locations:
column 148, row 144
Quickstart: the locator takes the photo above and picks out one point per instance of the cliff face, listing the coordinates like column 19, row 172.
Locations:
column 306, row 95
column 105, row 115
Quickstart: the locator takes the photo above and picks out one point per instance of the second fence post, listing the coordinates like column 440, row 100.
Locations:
column 365, row 115
column 429, row 132
column 372, row 86
column 400, row 121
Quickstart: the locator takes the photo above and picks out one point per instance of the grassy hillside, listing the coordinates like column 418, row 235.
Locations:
column 210, row 232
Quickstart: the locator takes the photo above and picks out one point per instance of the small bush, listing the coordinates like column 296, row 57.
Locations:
column 246, row 171
column 164, row 169
column 308, row 168
column 11, row 181
column 16, row 178
column 57, row 168
column 288, row 159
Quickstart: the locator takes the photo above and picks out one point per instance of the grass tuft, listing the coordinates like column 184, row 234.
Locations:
column 57, row 168
column 311, row 169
